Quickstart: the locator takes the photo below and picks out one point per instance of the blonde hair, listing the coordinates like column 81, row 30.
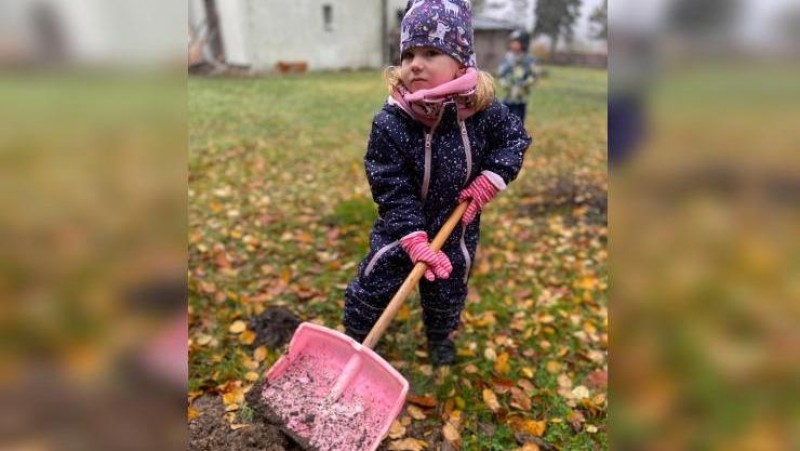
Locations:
column 484, row 90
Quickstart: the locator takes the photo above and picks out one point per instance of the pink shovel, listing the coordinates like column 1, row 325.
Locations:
column 330, row 392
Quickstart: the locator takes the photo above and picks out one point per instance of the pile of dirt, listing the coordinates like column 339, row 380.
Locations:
column 274, row 327
column 210, row 431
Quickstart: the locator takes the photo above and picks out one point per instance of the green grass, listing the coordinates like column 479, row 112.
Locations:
column 276, row 181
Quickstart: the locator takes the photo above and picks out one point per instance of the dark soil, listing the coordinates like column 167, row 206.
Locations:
column 274, row 327
column 210, row 431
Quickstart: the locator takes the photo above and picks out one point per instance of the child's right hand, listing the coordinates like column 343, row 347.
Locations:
column 416, row 245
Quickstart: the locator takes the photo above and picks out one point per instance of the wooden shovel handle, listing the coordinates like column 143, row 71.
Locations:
column 411, row 281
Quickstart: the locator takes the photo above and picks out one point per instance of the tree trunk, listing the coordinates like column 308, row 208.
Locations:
column 553, row 44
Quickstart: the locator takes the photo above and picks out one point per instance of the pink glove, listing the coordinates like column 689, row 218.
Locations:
column 416, row 245
column 481, row 190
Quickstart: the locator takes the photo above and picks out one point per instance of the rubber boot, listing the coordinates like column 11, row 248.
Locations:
column 442, row 352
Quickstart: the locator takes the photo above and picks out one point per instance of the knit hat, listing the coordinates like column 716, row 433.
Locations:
column 442, row 24
column 522, row 37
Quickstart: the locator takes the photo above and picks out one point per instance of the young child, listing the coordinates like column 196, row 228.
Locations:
column 441, row 137
column 518, row 73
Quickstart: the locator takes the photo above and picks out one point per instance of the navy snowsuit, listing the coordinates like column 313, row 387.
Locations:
column 415, row 175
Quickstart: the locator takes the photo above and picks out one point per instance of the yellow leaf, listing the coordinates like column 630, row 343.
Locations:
column 470, row 369
column 466, row 352
column 408, row 444
column 491, row 400
column 501, row 365
column 451, row 433
column 237, row 327
column 404, row 313
column 397, row 430
column 529, row 447
column 532, row 427
column 203, row 339
column 236, row 426
column 490, row 354
column 260, row 354
column 416, row 412
column 553, row 367
column 247, row 337
column 251, row 376
column 286, row 274
column 233, row 397
column 192, row 413
column 527, row 372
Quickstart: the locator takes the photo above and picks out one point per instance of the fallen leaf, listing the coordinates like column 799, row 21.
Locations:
column 423, row 401
column 456, row 417
column 576, row 420
column 491, row 400
column 553, row 367
column 451, row 433
column 527, row 372
column 520, row 400
column 470, row 369
column 501, row 364
column 260, row 354
column 397, row 430
column 416, row 413
column 251, row 376
column 564, row 381
column 531, row 427
column 408, row 444
column 490, row 354
column 580, row 392
column 597, row 380
column 247, row 337
column 208, row 287
column 203, row 339
column 237, row 327
column 192, row 413
column 526, row 385
column 529, row 447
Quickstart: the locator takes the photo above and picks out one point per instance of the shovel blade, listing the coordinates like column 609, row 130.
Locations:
column 297, row 390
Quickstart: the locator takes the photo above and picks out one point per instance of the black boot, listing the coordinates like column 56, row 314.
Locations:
column 442, row 352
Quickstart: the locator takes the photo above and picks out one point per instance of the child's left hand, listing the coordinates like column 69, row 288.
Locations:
column 481, row 191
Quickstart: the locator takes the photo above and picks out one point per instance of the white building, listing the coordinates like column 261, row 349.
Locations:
column 326, row 34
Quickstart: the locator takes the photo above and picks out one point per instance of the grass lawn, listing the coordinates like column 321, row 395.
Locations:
column 280, row 212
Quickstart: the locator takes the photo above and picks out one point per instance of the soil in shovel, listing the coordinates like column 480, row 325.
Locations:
column 297, row 400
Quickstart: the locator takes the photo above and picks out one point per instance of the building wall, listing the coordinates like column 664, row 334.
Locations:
column 294, row 30
column 234, row 25
column 490, row 47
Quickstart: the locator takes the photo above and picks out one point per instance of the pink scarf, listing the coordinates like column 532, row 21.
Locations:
column 426, row 105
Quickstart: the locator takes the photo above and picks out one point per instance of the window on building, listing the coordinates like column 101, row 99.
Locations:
column 327, row 17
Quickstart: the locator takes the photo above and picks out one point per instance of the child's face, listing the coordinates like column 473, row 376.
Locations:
column 515, row 47
column 427, row 67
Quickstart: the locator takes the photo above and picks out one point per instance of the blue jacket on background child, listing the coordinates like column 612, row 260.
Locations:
column 441, row 137
column 517, row 74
